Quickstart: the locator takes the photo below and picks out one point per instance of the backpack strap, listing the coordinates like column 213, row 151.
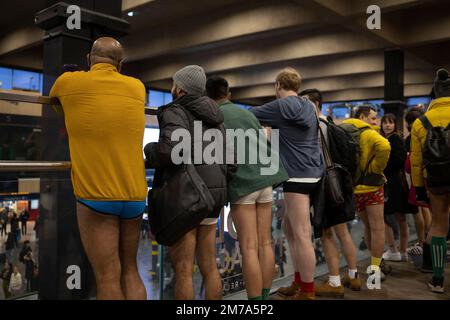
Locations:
column 426, row 123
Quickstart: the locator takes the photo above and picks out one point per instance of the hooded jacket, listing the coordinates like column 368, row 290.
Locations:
column 439, row 115
column 171, row 117
column 373, row 146
column 296, row 119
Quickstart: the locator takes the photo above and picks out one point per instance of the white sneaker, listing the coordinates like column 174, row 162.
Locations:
column 392, row 256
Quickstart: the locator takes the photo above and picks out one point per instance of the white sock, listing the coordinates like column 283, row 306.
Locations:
column 334, row 281
column 352, row 273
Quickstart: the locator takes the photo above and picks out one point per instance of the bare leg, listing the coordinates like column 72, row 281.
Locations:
column 376, row 223
column 206, row 259
column 427, row 218
column 100, row 238
column 244, row 217
column 404, row 233
column 390, row 239
column 182, row 254
column 298, row 206
column 367, row 233
column 420, row 226
column 331, row 252
column 440, row 205
column 291, row 242
column 265, row 251
column 132, row 284
column 347, row 245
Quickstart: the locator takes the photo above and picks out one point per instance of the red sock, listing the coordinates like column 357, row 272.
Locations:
column 297, row 278
column 307, row 286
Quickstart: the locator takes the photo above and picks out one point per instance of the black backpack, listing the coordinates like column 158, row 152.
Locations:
column 436, row 155
column 344, row 147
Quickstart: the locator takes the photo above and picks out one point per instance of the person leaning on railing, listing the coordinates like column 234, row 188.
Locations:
column 105, row 120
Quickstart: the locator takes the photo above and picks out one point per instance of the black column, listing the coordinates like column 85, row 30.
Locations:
column 394, row 71
column 59, row 244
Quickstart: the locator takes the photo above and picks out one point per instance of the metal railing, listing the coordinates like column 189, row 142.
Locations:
column 34, row 166
column 44, row 100
column 39, row 166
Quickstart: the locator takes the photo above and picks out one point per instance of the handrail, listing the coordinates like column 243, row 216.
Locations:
column 45, row 100
column 34, row 166
column 18, row 97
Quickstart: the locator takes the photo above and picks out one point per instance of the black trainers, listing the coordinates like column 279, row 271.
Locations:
column 436, row 285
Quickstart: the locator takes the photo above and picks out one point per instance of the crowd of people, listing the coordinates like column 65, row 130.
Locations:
column 16, row 254
column 333, row 171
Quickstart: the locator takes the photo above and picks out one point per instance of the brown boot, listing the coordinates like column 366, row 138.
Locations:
column 299, row 295
column 289, row 291
column 353, row 284
column 326, row 290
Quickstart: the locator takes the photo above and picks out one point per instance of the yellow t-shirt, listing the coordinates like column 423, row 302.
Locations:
column 105, row 120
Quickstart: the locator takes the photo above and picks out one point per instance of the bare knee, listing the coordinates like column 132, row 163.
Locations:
column 303, row 234
column 183, row 270
column 264, row 243
column 248, row 245
column 110, row 274
column 327, row 234
column 401, row 219
column 377, row 228
column 207, row 265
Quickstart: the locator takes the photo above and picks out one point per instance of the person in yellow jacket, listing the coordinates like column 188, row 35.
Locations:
column 438, row 115
column 105, row 120
column 374, row 156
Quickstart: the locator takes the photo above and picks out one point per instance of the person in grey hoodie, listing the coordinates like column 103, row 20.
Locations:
column 301, row 154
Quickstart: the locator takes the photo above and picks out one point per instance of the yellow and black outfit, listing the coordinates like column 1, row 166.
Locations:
column 374, row 156
column 439, row 116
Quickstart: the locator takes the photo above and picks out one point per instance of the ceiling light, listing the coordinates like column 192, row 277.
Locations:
column 131, row 14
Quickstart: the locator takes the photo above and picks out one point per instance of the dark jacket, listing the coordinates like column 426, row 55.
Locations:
column 398, row 155
column 15, row 224
column 23, row 253
column 9, row 245
column 25, row 216
column 29, row 269
column 300, row 151
column 396, row 190
column 172, row 117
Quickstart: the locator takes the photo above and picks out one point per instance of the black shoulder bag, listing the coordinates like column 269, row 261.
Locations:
column 333, row 172
column 180, row 204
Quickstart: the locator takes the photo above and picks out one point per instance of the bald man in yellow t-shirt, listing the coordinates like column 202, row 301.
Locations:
column 105, row 121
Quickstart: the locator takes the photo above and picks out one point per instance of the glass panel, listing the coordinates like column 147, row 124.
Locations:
column 5, row 78
column 26, row 80
column 19, row 236
column 412, row 102
column 41, row 83
column 167, row 97
column 155, row 98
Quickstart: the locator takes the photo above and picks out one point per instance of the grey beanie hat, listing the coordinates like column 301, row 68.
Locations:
column 191, row 79
column 442, row 84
